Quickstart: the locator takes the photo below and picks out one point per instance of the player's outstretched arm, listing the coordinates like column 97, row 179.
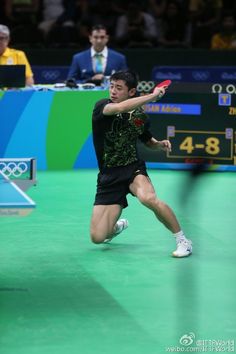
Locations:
column 133, row 103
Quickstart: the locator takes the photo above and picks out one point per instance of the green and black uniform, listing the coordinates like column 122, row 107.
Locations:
column 115, row 141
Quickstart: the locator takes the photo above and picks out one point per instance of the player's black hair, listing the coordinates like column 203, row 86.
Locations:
column 129, row 77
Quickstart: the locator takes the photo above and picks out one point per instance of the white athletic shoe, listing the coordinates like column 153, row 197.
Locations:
column 121, row 225
column 184, row 248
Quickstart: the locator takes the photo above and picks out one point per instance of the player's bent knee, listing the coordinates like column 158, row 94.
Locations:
column 96, row 241
column 96, row 237
column 148, row 200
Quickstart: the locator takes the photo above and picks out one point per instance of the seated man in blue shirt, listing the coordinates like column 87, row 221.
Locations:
column 93, row 64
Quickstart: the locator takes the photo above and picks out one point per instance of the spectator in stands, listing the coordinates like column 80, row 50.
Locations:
column 205, row 17
column 98, row 61
column 101, row 12
column 3, row 17
column 174, row 27
column 229, row 5
column 58, row 21
column 22, row 18
column 157, row 8
column 9, row 56
column 226, row 37
column 136, row 28
column 21, row 12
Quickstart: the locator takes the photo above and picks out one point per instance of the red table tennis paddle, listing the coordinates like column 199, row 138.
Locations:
column 165, row 84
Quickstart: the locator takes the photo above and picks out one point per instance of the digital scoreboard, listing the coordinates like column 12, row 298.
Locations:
column 198, row 144
column 199, row 121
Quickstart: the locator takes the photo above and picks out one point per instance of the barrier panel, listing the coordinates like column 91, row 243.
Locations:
column 55, row 127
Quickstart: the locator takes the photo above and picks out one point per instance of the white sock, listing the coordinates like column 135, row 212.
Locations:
column 179, row 236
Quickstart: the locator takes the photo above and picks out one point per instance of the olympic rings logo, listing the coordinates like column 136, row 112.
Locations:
column 217, row 88
column 145, row 86
column 13, row 169
column 50, row 74
column 200, row 75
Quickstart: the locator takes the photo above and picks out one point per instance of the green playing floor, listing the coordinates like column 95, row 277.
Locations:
column 61, row 294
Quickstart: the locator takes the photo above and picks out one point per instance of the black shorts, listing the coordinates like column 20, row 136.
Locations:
column 113, row 183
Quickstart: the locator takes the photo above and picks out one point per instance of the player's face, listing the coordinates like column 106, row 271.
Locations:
column 4, row 40
column 99, row 40
column 119, row 91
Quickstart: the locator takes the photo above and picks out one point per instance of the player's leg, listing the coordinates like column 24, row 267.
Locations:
column 104, row 222
column 109, row 202
column 143, row 189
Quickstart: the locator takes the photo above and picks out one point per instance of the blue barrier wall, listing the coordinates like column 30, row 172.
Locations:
column 55, row 128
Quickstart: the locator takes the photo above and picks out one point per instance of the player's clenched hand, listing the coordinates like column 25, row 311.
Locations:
column 165, row 145
column 159, row 91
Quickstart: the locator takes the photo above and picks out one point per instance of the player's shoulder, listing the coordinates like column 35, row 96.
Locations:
column 102, row 102
column 98, row 108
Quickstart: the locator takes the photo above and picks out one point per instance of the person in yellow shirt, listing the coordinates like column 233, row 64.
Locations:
column 226, row 37
column 10, row 56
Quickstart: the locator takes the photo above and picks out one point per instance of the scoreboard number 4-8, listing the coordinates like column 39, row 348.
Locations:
column 211, row 145
column 201, row 144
